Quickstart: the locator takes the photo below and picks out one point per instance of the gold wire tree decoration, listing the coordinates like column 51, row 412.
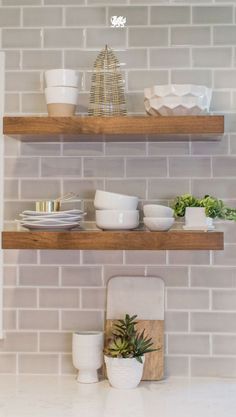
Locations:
column 107, row 96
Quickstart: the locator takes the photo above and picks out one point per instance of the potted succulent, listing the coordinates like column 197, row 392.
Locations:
column 213, row 207
column 124, row 353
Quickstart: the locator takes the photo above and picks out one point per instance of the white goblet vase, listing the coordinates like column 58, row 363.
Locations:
column 87, row 353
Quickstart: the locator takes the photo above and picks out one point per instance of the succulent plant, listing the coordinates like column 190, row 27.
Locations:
column 127, row 342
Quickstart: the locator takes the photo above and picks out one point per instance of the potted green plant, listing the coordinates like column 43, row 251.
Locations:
column 124, row 353
column 213, row 208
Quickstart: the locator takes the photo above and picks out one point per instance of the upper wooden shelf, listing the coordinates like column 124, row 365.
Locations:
column 128, row 125
column 114, row 240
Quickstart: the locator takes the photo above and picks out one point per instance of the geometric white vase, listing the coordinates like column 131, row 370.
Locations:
column 124, row 373
column 87, row 354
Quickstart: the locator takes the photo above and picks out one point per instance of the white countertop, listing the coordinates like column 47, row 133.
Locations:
column 48, row 396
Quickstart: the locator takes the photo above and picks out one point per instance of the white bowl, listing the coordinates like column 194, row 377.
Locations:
column 105, row 200
column 157, row 210
column 61, row 78
column 158, row 223
column 68, row 95
column 178, row 90
column 117, row 219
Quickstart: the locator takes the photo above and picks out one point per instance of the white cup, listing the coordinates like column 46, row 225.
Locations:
column 61, row 101
column 61, row 78
column 195, row 216
column 87, row 354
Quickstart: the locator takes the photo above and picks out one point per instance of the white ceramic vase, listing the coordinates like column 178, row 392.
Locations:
column 87, row 353
column 124, row 373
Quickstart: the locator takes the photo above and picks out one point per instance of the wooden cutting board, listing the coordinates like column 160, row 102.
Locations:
column 143, row 296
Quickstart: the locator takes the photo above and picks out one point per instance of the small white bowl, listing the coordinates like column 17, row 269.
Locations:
column 105, row 200
column 117, row 219
column 61, row 78
column 68, row 95
column 158, row 223
column 157, row 210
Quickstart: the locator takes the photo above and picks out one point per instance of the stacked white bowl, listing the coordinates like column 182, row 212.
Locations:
column 116, row 211
column 158, row 217
column 61, row 91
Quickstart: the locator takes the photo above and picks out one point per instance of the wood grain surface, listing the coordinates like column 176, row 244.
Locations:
column 112, row 240
column 154, row 361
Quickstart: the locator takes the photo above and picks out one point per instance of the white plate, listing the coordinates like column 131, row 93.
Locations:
column 204, row 228
column 28, row 219
column 43, row 214
column 65, row 226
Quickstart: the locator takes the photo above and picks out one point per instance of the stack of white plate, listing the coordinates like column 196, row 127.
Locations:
column 56, row 220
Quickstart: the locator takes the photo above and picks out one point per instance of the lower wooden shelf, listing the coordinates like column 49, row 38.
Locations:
column 114, row 240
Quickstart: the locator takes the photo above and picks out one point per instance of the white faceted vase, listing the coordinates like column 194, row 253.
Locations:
column 87, row 354
column 124, row 373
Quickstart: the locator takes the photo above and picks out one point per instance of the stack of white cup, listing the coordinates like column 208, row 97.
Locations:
column 61, row 91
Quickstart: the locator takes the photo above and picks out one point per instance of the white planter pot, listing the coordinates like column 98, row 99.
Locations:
column 124, row 373
column 87, row 353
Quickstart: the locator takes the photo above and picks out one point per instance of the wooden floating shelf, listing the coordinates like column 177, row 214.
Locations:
column 114, row 240
column 128, row 125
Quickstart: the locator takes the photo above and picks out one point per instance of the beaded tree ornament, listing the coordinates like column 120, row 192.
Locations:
column 107, row 96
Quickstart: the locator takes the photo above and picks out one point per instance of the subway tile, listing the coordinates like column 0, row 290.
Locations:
column 125, row 148
column 176, row 366
column 129, row 186
column 145, row 257
column 187, row 299
column 67, row 365
column 182, row 166
column 63, row 2
column 222, row 188
column 192, row 76
column 135, row 103
column 94, row 298
column 97, row 37
column 21, row 167
column 40, row 189
column 102, row 257
column 176, row 321
column 19, row 342
column 38, row 363
column 146, row 167
column 21, row 38
column 224, row 166
column 148, row 36
column 42, row 16
column 12, row 209
column 19, row 257
column 38, row 275
column 226, row 257
column 83, row 149
column 9, row 319
column 189, row 344
column 84, row 188
column 210, row 148
column 232, row 142
column 103, row 167
column 61, row 167
column 224, row 344
column 212, row 14
column 213, row 367
column 12, row 59
column 12, row 103
column 224, row 299
column 20, row 298
column 190, row 35
column 33, row 103
column 170, row 15
column 225, row 78
column 23, row 81
column 178, row 257
column 55, row 342
column 212, row 57
column 170, row 57
column 224, row 35
column 59, row 257
column 11, row 189
column 107, row 2
column 21, row 2
column 7, row 363
column 10, row 17
column 124, row 270
column 167, row 188
column 58, row 298
column 138, row 80
column 137, row 15
column 213, row 277
column 39, row 149
column 213, row 322
column 85, row 16
column 81, row 276
column 9, row 276
column 38, row 319
column 173, row 276
column 63, row 38
column 11, row 146
column 41, row 59
column 82, row 320
column 168, row 148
